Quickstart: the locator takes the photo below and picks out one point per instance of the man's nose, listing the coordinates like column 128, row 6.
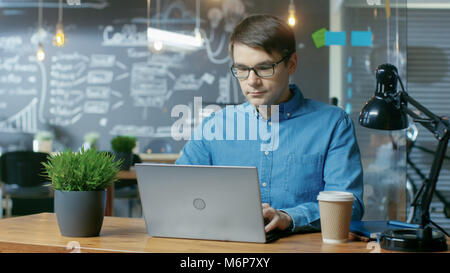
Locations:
column 253, row 79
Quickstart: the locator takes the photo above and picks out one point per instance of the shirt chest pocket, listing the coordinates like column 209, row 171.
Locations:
column 304, row 173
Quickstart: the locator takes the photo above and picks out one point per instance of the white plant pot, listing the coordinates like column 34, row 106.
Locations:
column 43, row 146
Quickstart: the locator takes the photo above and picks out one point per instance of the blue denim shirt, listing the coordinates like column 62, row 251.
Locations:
column 316, row 150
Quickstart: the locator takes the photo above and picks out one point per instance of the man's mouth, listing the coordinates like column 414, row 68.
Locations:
column 256, row 93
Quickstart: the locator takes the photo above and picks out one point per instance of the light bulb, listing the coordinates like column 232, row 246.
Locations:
column 291, row 9
column 40, row 53
column 59, row 37
column 291, row 20
column 158, row 45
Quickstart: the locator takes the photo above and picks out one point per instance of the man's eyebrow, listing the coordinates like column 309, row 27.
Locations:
column 260, row 63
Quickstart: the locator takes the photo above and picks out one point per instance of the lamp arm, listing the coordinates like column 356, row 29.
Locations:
column 437, row 125
column 441, row 129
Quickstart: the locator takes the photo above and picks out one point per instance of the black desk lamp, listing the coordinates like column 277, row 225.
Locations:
column 388, row 110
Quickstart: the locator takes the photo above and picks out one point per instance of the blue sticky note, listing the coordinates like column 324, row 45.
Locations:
column 349, row 77
column 335, row 38
column 361, row 38
column 348, row 108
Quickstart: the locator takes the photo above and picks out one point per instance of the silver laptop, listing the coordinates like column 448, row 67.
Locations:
column 201, row 202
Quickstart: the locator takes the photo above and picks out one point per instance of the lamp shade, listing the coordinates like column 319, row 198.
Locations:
column 385, row 111
column 382, row 114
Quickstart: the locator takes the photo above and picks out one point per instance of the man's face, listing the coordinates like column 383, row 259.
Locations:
column 264, row 91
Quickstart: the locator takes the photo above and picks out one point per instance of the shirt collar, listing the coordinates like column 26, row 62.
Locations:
column 286, row 109
column 294, row 103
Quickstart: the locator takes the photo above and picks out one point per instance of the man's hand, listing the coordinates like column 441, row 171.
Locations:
column 275, row 219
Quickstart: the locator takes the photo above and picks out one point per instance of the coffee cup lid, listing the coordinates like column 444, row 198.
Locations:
column 340, row 196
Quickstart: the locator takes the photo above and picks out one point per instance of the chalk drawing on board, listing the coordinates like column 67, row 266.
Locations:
column 32, row 79
column 10, row 43
column 10, row 78
column 12, row 64
column 31, row 68
column 168, row 60
column 233, row 11
column 103, row 122
column 77, row 69
column 164, row 131
column 102, row 60
column 121, row 65
column 117, row 105
column 98, row 92
column 65, row 106
column 133, row 54
column 148, row 80
column 23, row 92
column 64, row 111
column 140, row 131
column 100, row 77
column 67, row 84
column 116, row 94
column 122, row 76
column 96, row 107
column 68, row 98
column 75, row 56
column 63, row 76
column 149, row 86
column 23, row 121
column 189, row 82
column 224, row 89
column 129, row 36
column 59, row 121
column 230, row 13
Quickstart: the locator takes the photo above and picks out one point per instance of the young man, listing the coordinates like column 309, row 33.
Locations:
column 311, row 146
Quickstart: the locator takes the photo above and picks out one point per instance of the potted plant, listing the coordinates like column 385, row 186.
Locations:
column 122, row 147
column 90, row 140
column 80, row 180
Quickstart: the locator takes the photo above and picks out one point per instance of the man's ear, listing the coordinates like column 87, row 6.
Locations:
column 292, row 63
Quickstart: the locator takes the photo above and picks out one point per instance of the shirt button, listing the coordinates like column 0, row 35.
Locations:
column 266, row 153
column 288, row 114
column 264, row 184
column 270, row 123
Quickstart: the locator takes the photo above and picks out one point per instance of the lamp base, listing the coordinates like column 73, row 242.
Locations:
column 413, row 240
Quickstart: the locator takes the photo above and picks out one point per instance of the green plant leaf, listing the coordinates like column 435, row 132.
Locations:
column 123, row 144
column 86, row 170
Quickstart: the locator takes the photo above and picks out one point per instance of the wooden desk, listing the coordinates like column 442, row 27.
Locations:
column 40, row 233
column 127, row 175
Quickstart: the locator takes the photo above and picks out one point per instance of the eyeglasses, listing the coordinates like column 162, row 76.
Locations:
column 262, row 71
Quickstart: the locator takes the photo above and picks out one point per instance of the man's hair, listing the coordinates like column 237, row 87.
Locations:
column 264, row 31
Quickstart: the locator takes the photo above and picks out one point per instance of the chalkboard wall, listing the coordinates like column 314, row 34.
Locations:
column 106, row 80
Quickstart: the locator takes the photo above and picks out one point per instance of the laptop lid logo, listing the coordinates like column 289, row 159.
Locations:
column 199, row 203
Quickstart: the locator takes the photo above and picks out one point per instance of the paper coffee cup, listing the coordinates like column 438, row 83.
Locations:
column 335, row 215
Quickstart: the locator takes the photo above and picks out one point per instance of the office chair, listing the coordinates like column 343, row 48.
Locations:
column 127, row 189
column 22, row 174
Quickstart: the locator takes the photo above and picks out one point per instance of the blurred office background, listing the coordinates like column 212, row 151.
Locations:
column 109, row 79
